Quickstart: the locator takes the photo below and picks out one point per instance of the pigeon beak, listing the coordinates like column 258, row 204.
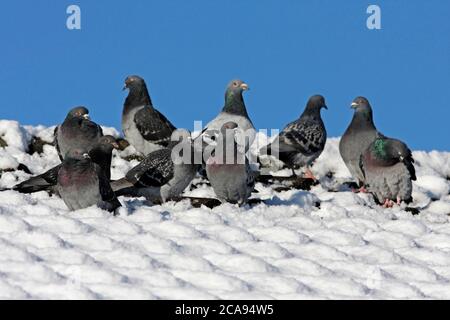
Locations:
column 86, row 156
column 115, row 145
column 125, row 87
column 86, row 116
column 325, row 106
column 354, row 105
column 244, row 87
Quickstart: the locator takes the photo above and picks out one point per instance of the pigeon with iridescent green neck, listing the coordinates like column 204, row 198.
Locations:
column 388, row 168
column 233, row 111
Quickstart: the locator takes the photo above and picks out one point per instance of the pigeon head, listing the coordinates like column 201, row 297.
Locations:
column 385, row 148
column 234, row 103
column 313, row 107
column 134, row 82
column 230, row 125
column 363, row 116
column 109, row 141
column 230, row 144
column 138, row 92
column 383, row 153
column 77, row 154
column 79, row 112
column 379, row 148
column 317, row 102
column 235, row 89
column 399, row 148
column 228, row 131
column 361, row 104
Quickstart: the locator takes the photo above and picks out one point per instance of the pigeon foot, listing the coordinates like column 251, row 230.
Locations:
column 309, row 175
column 360, row 190
column 388, row 203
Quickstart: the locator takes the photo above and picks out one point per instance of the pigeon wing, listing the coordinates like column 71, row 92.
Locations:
column 401, row 152
column 154, row 171
column 154, row 126
column 306, row 137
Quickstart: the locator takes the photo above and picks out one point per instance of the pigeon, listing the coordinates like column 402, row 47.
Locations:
column 144, row 127
column 357, row 138
column 228, row 169
column 82, row 183
column 101, row 154
column 388, row 168
column 302, row 141
column 76, row 132
column 233, row 111
column 164, row 174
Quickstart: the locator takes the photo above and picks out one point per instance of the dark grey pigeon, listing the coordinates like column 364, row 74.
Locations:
column 161, row 176
column 228, row 169
column 302, row 141
column 388, row 168
column 357, row 138
column 233, row 111
column 76, row 132
column 144, row 127
column 82, row 183
column 101, row 154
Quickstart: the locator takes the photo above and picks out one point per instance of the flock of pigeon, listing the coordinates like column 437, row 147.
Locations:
column 380, row 165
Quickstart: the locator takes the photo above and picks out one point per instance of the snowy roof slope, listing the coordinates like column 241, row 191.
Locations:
column 286, row 247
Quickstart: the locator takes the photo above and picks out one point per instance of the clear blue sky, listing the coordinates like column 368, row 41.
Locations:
column 189, row 50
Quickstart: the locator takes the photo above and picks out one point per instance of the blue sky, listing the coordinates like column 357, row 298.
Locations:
column 189, row 50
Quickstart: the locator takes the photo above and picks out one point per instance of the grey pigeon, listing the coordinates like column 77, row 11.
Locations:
column 101, row 154
column 83, row 183
column 357, row 138
column 161, row 176
column 233, row 111
column 76, row 132
column 230, row 174
column 388, row 168
column 302, row 141
column 144, row 127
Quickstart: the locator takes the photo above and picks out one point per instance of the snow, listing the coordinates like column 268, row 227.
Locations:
column 7, row 161
column 14, row 135
column 287, row 247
